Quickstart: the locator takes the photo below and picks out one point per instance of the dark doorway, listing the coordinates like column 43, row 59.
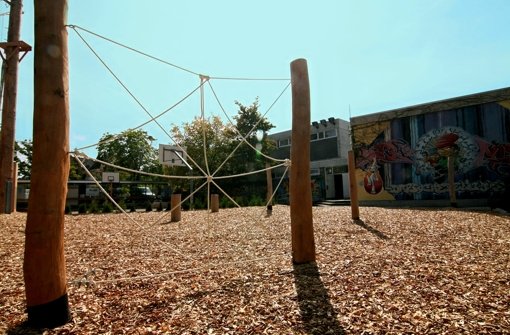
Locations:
column 339, row 187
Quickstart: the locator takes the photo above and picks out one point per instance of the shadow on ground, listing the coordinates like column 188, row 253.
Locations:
column 23, row 328
column 372, row 230
column 317, row 313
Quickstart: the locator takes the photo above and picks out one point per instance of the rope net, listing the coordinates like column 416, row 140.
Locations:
column 208, row 175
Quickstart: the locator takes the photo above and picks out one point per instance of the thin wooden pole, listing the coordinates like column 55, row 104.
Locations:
column 451, row 180
column 14, row 187
column 269, row 193
column 215, row 203
column 44, row 262
column 175, row 201
column 353, row 189
column 9, row 104
column 303, row 244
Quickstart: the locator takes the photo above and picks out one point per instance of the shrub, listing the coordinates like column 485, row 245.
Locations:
column 94, row 207
column 82, row 208
column 107, row 207
column 255, row 200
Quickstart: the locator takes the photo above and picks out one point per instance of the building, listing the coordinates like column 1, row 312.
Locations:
column 408, row 153
column 329, row 144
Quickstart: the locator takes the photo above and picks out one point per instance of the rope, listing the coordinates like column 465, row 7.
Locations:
column 250, row 173
column 124, row 212
column 243, row 138
column 135, row 98
column 86, row 281
column 113, row 138
column 137, row 171
column 74, row 27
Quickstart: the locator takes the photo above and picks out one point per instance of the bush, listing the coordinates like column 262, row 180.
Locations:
column 107, row 207
column 226, row 203
column 67, row 210
column 82, row 208
column 255, row 200
column 94, row 207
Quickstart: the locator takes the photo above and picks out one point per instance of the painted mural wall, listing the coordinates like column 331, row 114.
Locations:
column 406, row 158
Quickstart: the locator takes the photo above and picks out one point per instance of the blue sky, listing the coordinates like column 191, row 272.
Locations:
column 370, row 55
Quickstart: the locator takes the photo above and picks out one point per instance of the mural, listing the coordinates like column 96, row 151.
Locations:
column 409, row 158
column 434, row 148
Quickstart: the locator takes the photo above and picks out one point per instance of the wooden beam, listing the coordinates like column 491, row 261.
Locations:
column 44, row 262
column 353, row 187
column 10, row 77
column 303, row 244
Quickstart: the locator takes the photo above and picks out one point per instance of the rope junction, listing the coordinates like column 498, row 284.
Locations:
column 209, row 178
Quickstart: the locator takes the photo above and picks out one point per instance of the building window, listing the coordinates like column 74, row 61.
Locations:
column 284, row 143
column 330, row 133
column 314, row 137
column 315, row 172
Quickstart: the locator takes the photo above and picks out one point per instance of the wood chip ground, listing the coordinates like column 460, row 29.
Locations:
column 396, row 271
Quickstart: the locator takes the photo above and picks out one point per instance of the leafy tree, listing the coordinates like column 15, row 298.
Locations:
column 250, row 122
column 23, row 156
column 218, row 139
column 131, row 149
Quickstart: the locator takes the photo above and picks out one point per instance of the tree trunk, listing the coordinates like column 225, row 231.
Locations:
column 44, row 263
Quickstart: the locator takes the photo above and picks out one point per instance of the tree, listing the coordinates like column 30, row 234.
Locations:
column 23, row 156
column 220, row 141
column 131, row 149
column 250, row 122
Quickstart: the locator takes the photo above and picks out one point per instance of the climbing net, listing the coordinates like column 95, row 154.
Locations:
column 207, row 176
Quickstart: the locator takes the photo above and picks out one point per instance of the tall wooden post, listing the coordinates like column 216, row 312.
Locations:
column 44, row 262
column 451, row 180
column 353, row 189
column 303, row 244
column 9, row 104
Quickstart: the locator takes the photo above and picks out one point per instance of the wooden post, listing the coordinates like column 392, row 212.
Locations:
column 14, row 200
column 175, row 207
column 269, row 183
column 9, row 103
column 215, row 203
column 353, row 188
column 451, row 180
column 44, row 263
column 303, row 245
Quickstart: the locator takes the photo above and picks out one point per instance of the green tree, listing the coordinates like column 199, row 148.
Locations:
column 23, row 156
column 131, row 149
column 218, row 140
column 254, row 127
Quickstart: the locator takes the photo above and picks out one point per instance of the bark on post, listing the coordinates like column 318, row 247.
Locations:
column 44, row 262
column 175, row 207
column 451, row 181
column 353, row 187
column 9, row 104
column 303, row 244
column 269, row 193
column 215, row 203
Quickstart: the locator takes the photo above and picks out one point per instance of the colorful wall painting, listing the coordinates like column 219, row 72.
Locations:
column 408, row 158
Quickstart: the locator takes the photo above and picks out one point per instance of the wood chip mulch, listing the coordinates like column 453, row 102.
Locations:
column 396, row 271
